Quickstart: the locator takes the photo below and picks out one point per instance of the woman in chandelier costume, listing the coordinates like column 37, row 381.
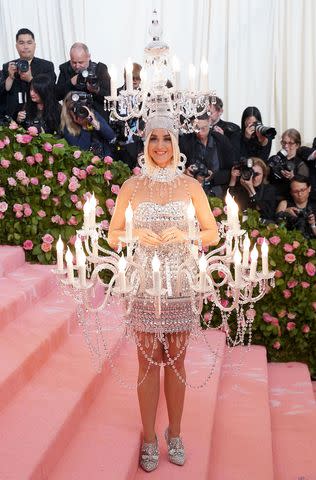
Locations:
column 160, row 197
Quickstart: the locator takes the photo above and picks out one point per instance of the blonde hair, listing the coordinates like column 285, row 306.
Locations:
column 293, row 134
column 66, row 120
column 175, row 148
column 265, row 169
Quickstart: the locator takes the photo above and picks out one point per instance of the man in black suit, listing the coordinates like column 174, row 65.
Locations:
column 80, row 73
column 18, row 74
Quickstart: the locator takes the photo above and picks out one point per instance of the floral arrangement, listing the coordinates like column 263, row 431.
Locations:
column 43, row 185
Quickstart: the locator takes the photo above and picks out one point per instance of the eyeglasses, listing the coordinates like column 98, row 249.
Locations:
column 301, row 190
column 287, row 143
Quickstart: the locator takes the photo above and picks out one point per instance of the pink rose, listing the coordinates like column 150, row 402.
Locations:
column 254, row 233
column 266, row 317
column 73, row 185
column 136, row 171
column 61, row 177
column 33, row 131
column 23, row 138
column 76, row 171
column 77, row 154
column 51, row 160
column 275, row 240
column 45, row 192
column 41, row 213
column 2, row 192
column 291, row 315
column 108, row 160
column 79, row 205
column 115, row 189
column 27, row 212
column 72, row 220
column 278, row 274
column 25, row 181
column 5, row 163
column 99, row 211
column 59, row 145
column 2, row 144
column 289, row 258
column 290, row 326
column 12, row 182
column 292, row 283
column 18, row 156
column 3, row 207
column 82, row 174
column 277, row 345
column 314, row 305
column 17, row 207
column 310, row 252
column 20, row 174
column 260, row 240
column 48, row 147
column 109, row 203
column 30, row 160
column 74, row 198
column 274, row 321
column 95, row 160
column 217, row 212
column 13, row 125
column 105, row 224
column 34, row 181
column 56, row 201
column 28, row 245
column 310, row 269
column 296, row 244
column 305, row 284
column 282, row 314
column 19, row 214
column 305, row 328
column 55, row 219
column 287, row 247
column 38, row 157
column 47, row 238
column 107, row 175
column 89, row 169
column 48, row 174
column 6, row 140
column 46, row 247
column 286, row 293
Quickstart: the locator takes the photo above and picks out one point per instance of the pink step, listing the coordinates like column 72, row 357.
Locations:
column 293, row 421
column 40, row 420
column 198, row 417
column 27, row 343
column 11, row 258
column 22, row 288
column 241, row 440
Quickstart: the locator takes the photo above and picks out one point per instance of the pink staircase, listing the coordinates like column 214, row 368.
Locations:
column 60, row 420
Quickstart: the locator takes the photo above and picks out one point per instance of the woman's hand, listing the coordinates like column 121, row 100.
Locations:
column 288, row 175
column 172, row 235
column 147, row 237
column 250, row 130
column 234, row 175
column 248, row 185
column 21, row 116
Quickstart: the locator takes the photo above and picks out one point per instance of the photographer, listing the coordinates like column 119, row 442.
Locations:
column 210, row 157
column 248, row 184
column 299, row 211
column 81, row 74
column 42, row 109
column 308, row 154
column 215, row 112
column 18, row 74
column 84, row 127
column 254, row 140
column 286, row 163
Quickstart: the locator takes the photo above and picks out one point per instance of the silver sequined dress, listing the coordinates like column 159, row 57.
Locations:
column 176, row 311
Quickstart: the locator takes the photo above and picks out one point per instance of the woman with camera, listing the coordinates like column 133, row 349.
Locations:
column 254, row 140
column 286, row 163
column 42, row 109
column 84, row 127
column 249, row 187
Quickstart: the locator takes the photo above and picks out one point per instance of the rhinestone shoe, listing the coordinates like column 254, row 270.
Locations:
column 149, row 456
column 176, row 451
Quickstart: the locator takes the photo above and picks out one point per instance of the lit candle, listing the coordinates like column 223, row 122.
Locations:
column 86, row 215
column 93, row 204
column 264, row 253
column 113, row 75
column 191, row 220
column 155, row 263
column 229, row 200
column 70, row 267
column 191, row 77
column 253, row 265
column 121, row 272
column 60, row 254
column 237, row 264
column 129, row 75
column 245, row 253
column 81, row 264
column 228, row 243
column 235, row 219
column 176, row 72
column 202, row 268
column 204, row 75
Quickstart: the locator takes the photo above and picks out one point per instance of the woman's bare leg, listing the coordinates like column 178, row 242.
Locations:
column 148, row 391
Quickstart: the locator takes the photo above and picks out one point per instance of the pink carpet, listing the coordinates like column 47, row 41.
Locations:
column 60, row 420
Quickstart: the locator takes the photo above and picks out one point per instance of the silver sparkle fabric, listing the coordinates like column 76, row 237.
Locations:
column 176, row 311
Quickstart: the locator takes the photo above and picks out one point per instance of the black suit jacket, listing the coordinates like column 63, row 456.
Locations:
column 64, row 85
column 11, row 98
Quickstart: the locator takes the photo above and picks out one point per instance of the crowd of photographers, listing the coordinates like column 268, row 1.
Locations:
column 220, row 154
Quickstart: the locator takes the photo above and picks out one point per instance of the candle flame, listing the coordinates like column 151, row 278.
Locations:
column 59, row 245
column 254, row 253
column 69, row 256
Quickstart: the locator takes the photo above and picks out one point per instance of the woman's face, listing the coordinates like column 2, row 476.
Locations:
column 258, row 175
column 289, row 145
column 35, row 96
column 250, row 120
column 160, row 147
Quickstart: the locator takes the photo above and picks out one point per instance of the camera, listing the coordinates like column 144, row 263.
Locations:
column 199, row 169
column 88, row 75
column 279, row 162
column 22, row 65
column 298, row 222
column 5, row 120
column 268, row 132
column 82, row 101
column 245, row 166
